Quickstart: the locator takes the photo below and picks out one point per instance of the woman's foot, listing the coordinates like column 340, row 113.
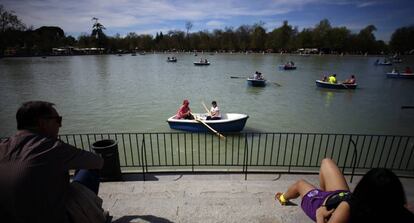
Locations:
column 279, row 197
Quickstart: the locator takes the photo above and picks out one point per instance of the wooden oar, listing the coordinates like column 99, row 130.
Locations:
column 277, row 84
column 237, row 77
column 205, row 107
column 407, row 106
column 209, row 127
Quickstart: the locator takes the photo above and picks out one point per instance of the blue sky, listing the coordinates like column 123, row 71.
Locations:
column 151, row 16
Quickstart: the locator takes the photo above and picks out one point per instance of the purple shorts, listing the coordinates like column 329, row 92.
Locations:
column 314, row 199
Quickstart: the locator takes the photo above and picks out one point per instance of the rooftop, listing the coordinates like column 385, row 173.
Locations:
column 209, row 198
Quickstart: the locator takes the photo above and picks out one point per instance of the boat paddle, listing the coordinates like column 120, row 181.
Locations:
column 205, row 107
column 209, row 127
column 407, row 106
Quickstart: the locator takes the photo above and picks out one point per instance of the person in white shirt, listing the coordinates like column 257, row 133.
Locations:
column 214, row 112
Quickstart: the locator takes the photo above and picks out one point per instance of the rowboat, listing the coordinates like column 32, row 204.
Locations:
column 230, row 122
column 256, row 82
column 201, row 63
column 384, row 63
column 397, row 60
column 324, row 84
column 172, row 60
column 400, row 75
column 287, row 67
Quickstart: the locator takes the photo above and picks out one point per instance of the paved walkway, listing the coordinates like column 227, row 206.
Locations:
column 208, row 198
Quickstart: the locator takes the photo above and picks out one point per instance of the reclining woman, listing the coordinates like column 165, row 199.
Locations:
column 378, row 197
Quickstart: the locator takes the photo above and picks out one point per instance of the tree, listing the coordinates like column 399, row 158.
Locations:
column 305, row 39
column 258, row 37
column 188, row 26
column 281, row 38
column 243, row 35
column 338, row 38
column 11, row 30
column 47, row 37
column 10, row 21
column 366, row 39
column 321, row 33
column 97, row 32
column 402, row 39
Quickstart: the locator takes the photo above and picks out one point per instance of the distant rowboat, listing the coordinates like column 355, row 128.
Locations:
column 287, row 67
column 384, row 63
column 201, row 63
column 400, row 75
column 324, row 84
column 256, row 82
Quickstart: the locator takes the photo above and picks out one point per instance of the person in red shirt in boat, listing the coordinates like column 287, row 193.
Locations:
column 184, row 112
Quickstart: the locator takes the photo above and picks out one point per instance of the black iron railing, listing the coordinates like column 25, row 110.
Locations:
column 255, row 152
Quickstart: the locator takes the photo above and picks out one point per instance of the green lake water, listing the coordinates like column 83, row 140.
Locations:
column 110, row 93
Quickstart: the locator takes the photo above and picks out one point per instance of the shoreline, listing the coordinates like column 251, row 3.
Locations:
column 202, row 53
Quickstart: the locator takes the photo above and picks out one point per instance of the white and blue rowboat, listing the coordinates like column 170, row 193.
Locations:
column 324, row 84
column 230, row 122
column 256, row 82
column 400, row 75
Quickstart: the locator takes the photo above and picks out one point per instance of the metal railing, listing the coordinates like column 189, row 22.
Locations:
column 255, row 152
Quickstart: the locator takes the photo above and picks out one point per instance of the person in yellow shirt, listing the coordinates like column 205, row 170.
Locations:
column 332, row 79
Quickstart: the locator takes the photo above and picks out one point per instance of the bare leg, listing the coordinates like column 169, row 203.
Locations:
column 330, row 177
column 299, row 188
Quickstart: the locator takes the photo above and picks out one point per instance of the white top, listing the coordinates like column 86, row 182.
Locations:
column 215, row 112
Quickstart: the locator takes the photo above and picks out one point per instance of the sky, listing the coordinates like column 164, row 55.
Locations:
column 152, row 16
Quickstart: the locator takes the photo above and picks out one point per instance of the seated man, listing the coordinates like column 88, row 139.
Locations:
column 34, row 169
column 214, row 112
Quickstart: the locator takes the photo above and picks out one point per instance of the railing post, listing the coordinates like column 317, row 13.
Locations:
column 144, row 157
column 246, row 156
column 356, row 158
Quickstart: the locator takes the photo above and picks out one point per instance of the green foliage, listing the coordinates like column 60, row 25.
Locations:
column 9, row 21
column 402, row 40
column 286, row 38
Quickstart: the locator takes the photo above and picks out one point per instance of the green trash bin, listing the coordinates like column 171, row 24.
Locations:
column 108, row 150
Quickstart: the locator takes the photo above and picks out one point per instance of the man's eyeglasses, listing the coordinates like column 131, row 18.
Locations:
column 57, row 118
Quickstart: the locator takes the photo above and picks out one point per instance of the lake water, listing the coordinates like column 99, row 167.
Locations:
column 110, row 93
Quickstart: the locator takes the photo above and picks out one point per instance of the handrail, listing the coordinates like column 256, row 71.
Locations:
column 269, row 152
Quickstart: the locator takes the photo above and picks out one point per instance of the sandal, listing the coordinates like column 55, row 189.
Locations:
column 277, row 197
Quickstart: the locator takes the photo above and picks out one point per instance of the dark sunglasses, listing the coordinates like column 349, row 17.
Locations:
column 57, row 118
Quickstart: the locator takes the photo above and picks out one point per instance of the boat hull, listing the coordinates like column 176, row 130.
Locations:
column 222, row 125
column 256, row 83
column 323, row 84
column 400, row 75
column 201, row 64
column 284, row 67
column 383, row 64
